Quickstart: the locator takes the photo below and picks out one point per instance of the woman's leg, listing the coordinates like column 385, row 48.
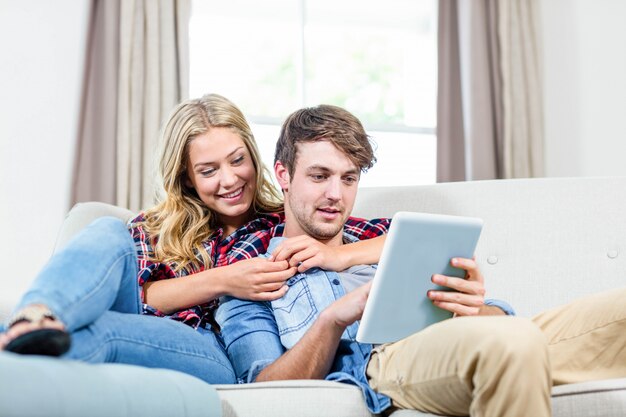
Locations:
column 95, row 272
column 153, row 342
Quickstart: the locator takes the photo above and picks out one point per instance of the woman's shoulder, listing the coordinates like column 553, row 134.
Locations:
column 136, row 227
column 137, row 221
column 263, row 221
column 250, row 240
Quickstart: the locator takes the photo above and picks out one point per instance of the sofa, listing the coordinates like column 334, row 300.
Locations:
column 544, row 243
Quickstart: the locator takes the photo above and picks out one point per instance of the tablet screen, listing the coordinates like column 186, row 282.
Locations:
column 418, row 245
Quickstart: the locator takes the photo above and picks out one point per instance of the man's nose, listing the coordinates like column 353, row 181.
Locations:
column 333, row 189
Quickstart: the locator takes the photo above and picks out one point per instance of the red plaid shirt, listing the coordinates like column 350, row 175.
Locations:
column 246, row 242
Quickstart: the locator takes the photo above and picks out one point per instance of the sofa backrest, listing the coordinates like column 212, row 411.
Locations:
column 544, row 241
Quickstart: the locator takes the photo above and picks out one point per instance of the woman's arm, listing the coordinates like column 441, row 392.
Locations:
column 306, row 252
column 251, row 279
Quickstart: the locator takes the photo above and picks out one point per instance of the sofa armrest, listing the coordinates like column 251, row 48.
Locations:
column 83, row 214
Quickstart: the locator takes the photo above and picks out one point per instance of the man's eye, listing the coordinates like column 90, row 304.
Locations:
column 318, row 177
column 350, row 180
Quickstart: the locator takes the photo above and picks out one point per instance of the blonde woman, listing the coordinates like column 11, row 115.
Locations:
column 111, row 292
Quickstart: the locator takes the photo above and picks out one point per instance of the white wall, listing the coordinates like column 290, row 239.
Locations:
column 585, row 87
column 41, row 67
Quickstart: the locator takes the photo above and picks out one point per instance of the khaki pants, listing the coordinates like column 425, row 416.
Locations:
column 503, row 366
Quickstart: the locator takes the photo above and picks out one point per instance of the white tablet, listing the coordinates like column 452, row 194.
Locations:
column 418, row 245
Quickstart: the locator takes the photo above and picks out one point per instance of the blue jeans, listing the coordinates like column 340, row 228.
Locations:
column 91, row 285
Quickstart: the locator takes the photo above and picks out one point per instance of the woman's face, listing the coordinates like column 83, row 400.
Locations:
column 221, row 171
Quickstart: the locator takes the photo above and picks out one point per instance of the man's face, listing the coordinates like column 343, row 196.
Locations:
column 320, row 195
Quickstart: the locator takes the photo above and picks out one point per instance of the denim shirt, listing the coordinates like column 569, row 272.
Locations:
column 258, row 333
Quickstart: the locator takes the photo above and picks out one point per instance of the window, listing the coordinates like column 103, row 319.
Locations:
column 377, row 61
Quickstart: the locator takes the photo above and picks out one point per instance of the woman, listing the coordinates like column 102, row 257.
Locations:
column 216, row 191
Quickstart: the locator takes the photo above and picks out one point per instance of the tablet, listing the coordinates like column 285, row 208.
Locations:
column 418, row 245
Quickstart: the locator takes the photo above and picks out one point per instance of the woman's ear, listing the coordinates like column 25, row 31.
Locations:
column 282, row 175
column 187, row 182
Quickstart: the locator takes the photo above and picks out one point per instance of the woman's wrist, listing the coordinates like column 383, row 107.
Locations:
column 345, row 257
column 215, row 281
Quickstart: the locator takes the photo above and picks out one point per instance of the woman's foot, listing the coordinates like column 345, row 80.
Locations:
column 35, row 330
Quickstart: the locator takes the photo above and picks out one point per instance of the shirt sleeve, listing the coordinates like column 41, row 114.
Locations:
column 147, row 269
column 502, row 305
column 367, row 229
column 250, row 336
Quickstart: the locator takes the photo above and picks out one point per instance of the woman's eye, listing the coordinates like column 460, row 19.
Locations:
column 207, row 172
column 238, row 160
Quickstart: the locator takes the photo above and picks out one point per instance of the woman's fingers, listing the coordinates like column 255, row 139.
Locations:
column 271, row 295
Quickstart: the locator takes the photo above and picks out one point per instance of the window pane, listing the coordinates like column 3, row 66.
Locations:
column 247, row 52
column 377, row 60
column 403, row 158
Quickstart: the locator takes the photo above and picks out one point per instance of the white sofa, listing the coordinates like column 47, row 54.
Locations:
column 545, row 242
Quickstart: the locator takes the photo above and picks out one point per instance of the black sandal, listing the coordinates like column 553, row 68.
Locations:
column 48, row 342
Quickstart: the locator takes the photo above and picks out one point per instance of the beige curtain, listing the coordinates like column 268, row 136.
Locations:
column 136, row 81
column 490, row 94
column 94, row 173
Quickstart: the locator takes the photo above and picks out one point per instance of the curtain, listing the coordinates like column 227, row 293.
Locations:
column 137, row 71
column 489, row 109
column 94, row 173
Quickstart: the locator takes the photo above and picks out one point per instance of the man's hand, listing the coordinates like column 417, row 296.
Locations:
column 348, row 308
column 467, row 297
column 304, row 252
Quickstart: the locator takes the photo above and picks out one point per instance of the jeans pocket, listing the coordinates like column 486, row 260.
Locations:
column 295, row 311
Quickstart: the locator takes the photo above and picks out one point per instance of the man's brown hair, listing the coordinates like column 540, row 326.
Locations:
column 324, row 122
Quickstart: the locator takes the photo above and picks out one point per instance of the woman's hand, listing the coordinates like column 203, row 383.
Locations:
column 304, row 252
column 467, row 297
column 257, row 279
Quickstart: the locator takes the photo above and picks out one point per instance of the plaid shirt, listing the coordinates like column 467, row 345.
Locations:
column 247, row 242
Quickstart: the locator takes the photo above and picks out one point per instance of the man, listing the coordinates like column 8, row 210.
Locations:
column 485, row 365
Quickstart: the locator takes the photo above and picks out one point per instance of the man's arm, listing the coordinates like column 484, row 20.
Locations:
column 250, row 336
column 312, row 356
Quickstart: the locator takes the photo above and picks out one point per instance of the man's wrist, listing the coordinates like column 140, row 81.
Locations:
column 488, row 310
column 503, row 306
column 330, row 321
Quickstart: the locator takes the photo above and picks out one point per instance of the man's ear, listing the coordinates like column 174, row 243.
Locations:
column 282, row 175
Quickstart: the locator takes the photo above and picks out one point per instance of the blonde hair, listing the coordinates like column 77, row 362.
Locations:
column 180, row 222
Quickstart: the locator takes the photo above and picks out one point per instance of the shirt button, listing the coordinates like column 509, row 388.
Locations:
column 336, row 281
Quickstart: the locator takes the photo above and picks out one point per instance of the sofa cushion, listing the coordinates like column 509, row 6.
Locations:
column 33, row 386
column 605, row 398
column 595, row 398
column 312, row 398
